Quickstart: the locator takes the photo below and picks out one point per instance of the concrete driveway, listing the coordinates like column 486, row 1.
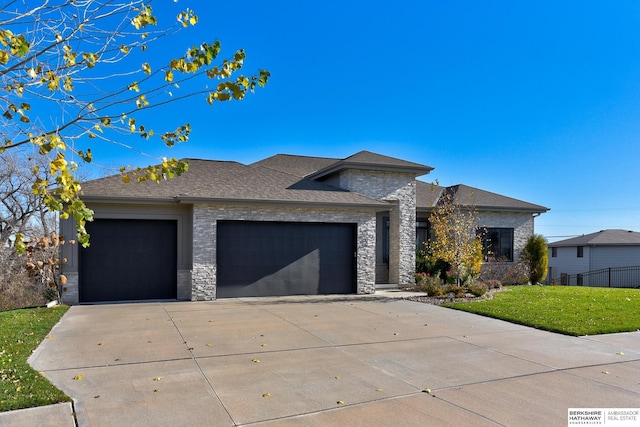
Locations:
column 318, row 361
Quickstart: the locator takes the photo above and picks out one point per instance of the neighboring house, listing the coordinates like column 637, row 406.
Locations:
column 284, row 225
column 595, row 252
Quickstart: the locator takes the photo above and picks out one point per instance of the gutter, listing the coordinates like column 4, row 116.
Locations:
column 185, row 199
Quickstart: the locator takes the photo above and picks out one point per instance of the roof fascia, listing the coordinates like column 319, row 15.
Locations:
column 493, row 209
column 343, row 165
column 379, row 206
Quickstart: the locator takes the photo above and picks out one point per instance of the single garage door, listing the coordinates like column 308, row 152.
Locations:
column 284, row 258
column 129, row 260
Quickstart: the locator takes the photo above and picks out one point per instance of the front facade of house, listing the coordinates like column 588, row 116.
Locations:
column 285, row 225
column 594, row 252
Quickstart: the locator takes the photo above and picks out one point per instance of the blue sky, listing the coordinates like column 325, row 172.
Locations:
column 539, row 101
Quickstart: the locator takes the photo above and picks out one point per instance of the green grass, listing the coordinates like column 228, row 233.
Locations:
column 21, row 331
column 569, row 310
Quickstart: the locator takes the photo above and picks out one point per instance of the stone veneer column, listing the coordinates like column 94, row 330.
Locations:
column 203, row 275
column 400, row 189
column 406, row 197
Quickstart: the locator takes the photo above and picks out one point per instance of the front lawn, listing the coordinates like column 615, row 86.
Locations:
column 21, row 331
column 569, row 310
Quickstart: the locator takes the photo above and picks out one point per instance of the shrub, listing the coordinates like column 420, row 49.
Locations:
column 535, row 256
column 434, row 290
column 429, row 265
column 507, row 273
column 477, row 289
column 428, row 283
column 458, row 291
column 32, row 278
column 17, row 290
column 492, row 284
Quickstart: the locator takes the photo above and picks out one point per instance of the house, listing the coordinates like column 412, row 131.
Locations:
column 283, row 225
column 504, row 223
column 591, row 257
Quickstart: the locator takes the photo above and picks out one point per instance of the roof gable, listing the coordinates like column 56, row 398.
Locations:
column 296, row 165
column 367, row 160
column 611, row 237
column 428, row 195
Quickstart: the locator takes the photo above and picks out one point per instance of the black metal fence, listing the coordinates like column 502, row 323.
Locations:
column 613, row 277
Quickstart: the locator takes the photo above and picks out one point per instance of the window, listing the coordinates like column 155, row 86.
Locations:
column 385, row 240
column 423, row 230
column 554, row 252
column 580, row 251
column 497, row 243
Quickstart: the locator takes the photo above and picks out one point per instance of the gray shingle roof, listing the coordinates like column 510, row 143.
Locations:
column 427, row 195
column 208, row 180
column 288, row 179
column 295, row 165
column 371, row 161
column 602, row 238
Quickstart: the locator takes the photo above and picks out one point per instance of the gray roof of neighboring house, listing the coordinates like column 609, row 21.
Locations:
column 428, row 195
column 228, row 182
column 602, row 238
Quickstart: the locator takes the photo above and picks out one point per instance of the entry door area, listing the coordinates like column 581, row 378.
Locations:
column 257, row 258
column 129, row 259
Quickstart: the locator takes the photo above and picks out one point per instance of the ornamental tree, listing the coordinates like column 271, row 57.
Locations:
column 80, row 72
column 454, row 241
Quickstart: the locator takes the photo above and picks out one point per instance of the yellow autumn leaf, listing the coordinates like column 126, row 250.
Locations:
column 78, row 377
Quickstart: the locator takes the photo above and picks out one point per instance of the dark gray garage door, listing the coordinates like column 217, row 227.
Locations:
column 284, row 258
column 129, row 260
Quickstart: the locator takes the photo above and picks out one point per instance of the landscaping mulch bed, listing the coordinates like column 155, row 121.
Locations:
column 450, row 298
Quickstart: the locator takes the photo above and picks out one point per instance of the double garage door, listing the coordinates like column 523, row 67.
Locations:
column 258, row 258
column 137, row 259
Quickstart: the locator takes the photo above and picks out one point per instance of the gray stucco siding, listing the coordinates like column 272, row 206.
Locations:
column 613, row 256
column 205, row 218
column 568, row 262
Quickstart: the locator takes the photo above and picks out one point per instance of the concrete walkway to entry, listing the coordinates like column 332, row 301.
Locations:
column 318, row 361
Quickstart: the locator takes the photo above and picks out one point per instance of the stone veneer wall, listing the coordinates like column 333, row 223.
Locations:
column 399, row 188
column 70, row 294
column 205, row 217
column 521, row 222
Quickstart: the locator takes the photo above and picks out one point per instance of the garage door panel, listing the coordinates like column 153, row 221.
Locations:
column 129, row 260
column 275, row 258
